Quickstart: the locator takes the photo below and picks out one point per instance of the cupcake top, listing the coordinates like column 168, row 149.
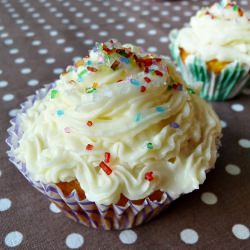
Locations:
column 120, row 121
column 220, row 32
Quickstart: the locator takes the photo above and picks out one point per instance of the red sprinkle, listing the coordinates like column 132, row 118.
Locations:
column 105, row 168
column 107, row 156
column 159, row 73
column 148, row 80
column 89, row 123
column 146, row 70
column 149, row 176
column 92, row 69
column 143, row 88
column 115, row 65
column 89, row 147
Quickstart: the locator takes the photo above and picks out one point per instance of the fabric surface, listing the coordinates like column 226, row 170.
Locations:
column 38, row 39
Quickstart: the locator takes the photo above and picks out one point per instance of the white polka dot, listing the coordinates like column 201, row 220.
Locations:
column 103, row 33
column 166, row 25
column 209, row 198
column 1, row 72
column 152, row 32
column 175, row 18
column 119, row 26
column 68, row 49
column 29, row 34
column 41, row 20
column 60, row 41
column 58, row 15
column 189, row 236
column 140, row 41
column 131, row 19
column 42, row 51
column 122, row 14
column 110, row 20
column 80, row 34
column 19, row 21
column 155, row 19
column 19, row 60
column 86, row 20
column 53, row 33
column 25, row 71
column 94, row 26
column 177, row 8
column 79, row 14
column 65, row 20
column 33, row 82
column 53, row 208
column 13, row 239
column 5, row 204
column 244, row 143
column 188, row 13
column 88, row 42
column 136, row 8
column 74, row 240
column 36, row 43
column 155, row 8
column 3, row 84
column 129, row 33
column 232, row 169
column 3, row 35
column 237, row 107
column 8, row 41
column 24, row 27
column 13, row 112
column 72, row 27
column 57, row 71
column 128, row 236
column 152, row 49
column 114, row 8
column 241, row 231
column 164, row 13
column 223, row 124
column 8, row 97
column 50, row 60
column 141, row 25
column 0, row 172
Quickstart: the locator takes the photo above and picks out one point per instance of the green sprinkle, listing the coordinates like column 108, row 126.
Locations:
column 190, row 91
column 53, row 93
column 150, row 145
column 235, row 8
column 169, row 87
column 83, row 72
column 90, row 90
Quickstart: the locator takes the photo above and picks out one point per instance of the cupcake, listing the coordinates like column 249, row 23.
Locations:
column 116, row 139
column 214, row 49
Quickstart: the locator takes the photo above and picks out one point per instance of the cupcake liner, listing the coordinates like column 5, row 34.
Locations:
column 215, row 87
column 83, row 211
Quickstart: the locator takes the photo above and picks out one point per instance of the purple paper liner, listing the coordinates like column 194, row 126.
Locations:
column 83, row 211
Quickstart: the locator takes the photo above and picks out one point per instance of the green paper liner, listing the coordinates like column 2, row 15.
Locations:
column 215, row 87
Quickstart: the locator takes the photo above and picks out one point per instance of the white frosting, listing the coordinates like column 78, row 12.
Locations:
column 220, row 32
column 124, row 121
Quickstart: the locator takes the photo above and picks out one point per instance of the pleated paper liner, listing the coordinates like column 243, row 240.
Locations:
column 84, row 211
column 215, row 86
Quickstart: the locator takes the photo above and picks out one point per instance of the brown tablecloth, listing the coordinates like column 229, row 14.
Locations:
column 37, row 40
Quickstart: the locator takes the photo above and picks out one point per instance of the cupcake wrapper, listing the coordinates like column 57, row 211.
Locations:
column 215, row 87
column 83, row 211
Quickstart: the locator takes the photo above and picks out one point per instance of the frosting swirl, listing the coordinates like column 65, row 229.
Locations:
column 220, row 32
column 120, row 121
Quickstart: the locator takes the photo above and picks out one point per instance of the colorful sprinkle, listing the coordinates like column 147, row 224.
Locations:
column 125, row 60
column 138, row 116
column 90, row 90
column 89, row 123
column 149, row 176
column 143, row 89
column 72, row 82
column 53, row 93
column 174, row 125
column 115, row 65
column 158, row 73
column 92, row 69
column 235, row 8
column 190, row 91
column 105, row 168
column 95, row 85
column 83, row 72
column 135, row 82
column 147, row 79
column 89, row 147
column 67, row 130
column 150, row 145
column 79, row 63
column 107, row 157
column 88, row 63
column 60, row 112
column 160, row 109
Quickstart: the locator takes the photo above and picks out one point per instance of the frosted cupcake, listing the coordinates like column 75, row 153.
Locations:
column 215, row 50
column 116, row 139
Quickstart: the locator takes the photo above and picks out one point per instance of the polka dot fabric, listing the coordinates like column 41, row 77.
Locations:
column 38, row 39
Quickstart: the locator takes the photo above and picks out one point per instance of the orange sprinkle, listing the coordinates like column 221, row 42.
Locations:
column 89, row 123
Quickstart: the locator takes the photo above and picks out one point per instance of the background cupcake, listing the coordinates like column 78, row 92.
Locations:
column 116, row 139
column 215, row 50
